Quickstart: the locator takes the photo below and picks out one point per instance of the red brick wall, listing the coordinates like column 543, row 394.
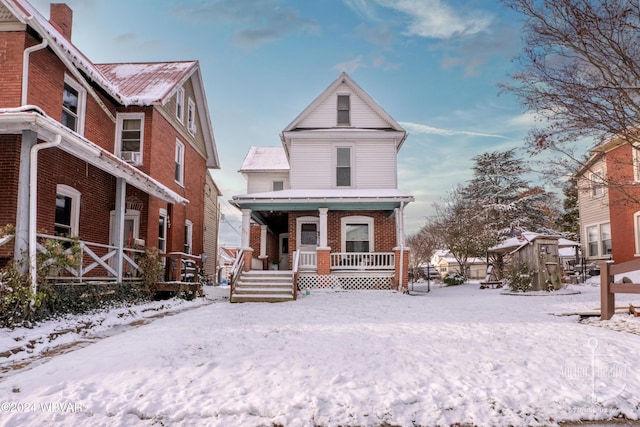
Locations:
column 12, row 45
column 621, row 209
column 9, row 169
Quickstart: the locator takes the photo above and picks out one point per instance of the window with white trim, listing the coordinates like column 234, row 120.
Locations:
column 599, row 240
column 73, row 105
column 130, row 137
column 191, row 117
column 636, row 231
column 278, row 185
column 357, row 234
column 180, row 104
column 163, row 225
column 67, row 216
column 597, row 184
column 344, row 110
column 179, row 163
column 188, row 236
column 343, row 166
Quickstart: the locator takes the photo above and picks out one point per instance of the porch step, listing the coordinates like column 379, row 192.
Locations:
column 264, row 286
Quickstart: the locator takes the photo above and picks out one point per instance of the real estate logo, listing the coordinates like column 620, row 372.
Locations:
column 596, row 377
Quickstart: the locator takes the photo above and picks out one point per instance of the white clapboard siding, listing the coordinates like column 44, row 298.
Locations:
column 262, row 182
column 325, row 116
column 593, row 210
column 311, row 165
column 375, row 165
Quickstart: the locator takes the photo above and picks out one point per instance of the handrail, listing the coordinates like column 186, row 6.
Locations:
column 236, row 268
column 5, row 239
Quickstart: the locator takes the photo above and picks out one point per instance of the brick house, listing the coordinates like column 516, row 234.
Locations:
column 326, row 203
column 118, row 154
column 608, row 194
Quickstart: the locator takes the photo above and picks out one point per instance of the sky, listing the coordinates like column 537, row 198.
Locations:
column 433, row 65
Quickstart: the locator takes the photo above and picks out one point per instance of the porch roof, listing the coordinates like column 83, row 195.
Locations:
column 333, row 199
column 16, row 120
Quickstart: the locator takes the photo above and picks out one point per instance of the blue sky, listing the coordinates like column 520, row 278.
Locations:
column 433, row 65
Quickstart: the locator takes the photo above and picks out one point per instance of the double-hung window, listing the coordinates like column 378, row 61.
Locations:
column 188, row 237
column 73, row 101
column 191, row 117
column 130, row 137
column 344, row 110
column 599, row 240
column 180, row 104
column 67, row 214
column 179, row 163
column 597, row 184
column 357, row 234
column 343, row 167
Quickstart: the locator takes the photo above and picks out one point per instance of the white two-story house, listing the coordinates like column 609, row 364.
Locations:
column 326, row 203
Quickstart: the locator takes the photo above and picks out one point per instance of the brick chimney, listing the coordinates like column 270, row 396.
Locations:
column 61, row 17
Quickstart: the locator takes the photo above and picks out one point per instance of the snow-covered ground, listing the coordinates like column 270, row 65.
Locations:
column 360, row 358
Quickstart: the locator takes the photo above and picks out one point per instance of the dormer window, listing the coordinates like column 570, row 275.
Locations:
column 344, row 110
column 180, row 104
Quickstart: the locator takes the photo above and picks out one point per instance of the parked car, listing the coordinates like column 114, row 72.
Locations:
column 430, row 272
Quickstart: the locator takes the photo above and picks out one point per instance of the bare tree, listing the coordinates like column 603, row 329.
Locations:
column 461, row 227
column 579, row 74
column 423, row 244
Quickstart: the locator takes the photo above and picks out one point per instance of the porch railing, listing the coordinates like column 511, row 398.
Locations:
column 95, row 257
column 236, row 270
column 363, row 261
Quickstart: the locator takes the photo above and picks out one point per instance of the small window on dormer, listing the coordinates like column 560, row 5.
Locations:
column 191, row 117
column 180, row 105
column 344, row 110
column 278, row 185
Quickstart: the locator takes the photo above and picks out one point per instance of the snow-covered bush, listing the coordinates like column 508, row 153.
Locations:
column 453, row 278
column 519, row 277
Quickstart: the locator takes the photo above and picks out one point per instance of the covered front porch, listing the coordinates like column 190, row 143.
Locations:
column 348, row 239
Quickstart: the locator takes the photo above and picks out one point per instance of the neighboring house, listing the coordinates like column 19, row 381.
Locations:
column 211, row 226
column 476, row 267
column 609, row 225
column 327, row 201
column 226, row 258
column 119, row 152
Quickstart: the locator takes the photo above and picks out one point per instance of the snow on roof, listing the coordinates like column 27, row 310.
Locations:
column 265, row 159
column 146, row 83
column 331, row 193
column 525, row 238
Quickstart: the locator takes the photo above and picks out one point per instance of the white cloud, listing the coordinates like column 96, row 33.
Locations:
column 420, row 128
column 428, row 18
column 350, row 66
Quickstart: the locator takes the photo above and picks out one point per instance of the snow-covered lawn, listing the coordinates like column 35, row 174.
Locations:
column 365, row 358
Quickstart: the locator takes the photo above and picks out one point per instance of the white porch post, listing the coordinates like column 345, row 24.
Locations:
column 118, row 226
column 246, row 226
column 263, row 241
column 399, row 212
column 21, row 241
column 323, row 227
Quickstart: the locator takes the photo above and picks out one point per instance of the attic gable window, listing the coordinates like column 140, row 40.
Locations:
column 344, row 110
column 73, row 101
column 180, row 105
column 191, row 117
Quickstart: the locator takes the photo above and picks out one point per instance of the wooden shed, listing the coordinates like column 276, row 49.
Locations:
column 538, row 252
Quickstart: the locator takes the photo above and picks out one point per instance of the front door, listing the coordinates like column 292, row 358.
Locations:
column 283, row 252
column 308, row 234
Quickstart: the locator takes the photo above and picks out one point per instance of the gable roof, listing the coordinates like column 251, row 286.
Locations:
column 149, row 82
column 265, row 159
column 142, row 84
column 344, row 78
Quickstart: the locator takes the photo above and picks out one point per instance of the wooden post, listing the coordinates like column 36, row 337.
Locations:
column 607, row 299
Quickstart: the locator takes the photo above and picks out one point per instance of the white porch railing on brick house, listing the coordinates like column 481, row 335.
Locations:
column 363, row 261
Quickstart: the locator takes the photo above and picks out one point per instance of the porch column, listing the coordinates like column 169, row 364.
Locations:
column 245, row 241
column 323, row 228
column 399, row 227
column 118, row 226
column 401, row 252
column 246, row 227
column 21, row 241
column 263, row 247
